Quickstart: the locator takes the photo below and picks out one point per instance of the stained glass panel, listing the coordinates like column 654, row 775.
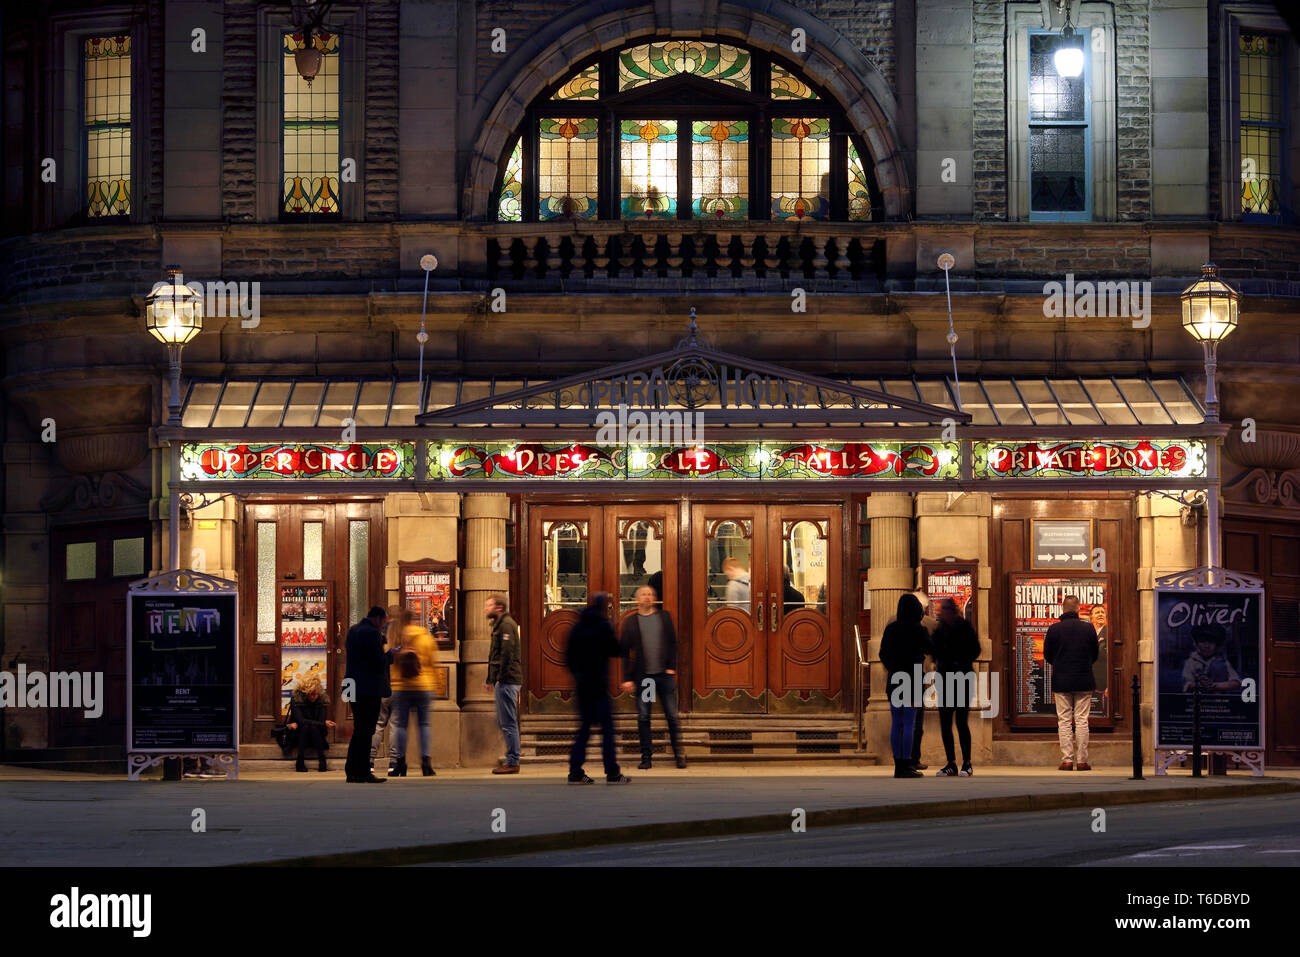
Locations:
column 1056, row 161
column 648, row 168
column 107, row 123
column 311, row 128
column 720, row 169
column 510, row 200
column 584, row 86
column 787, row 86
column 567, row 164
column 801, row 168
column 859, row 195
column 1260, row 67
column 649, row 62
column 1052, row 97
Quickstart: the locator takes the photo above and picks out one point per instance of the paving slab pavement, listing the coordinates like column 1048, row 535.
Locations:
column 70, row 819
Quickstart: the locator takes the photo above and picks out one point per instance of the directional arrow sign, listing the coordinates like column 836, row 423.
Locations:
column 1062, row 543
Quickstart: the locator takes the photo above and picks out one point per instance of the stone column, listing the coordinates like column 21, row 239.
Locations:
column 891, row 574
column 484, row 515
column 958, row 527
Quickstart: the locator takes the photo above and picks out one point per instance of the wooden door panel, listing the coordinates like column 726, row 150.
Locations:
column 805, row 666
column 554, row 606
column 729, row 653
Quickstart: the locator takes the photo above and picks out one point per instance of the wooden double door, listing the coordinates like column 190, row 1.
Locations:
column 309, row 571
column 754, row 591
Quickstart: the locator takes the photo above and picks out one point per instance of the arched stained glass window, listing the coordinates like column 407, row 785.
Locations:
column 679, row 129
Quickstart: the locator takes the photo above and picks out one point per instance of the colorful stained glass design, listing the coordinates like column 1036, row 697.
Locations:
column 787, row 86
column 510, row 200
column 859, row 195
column 567, row 167
column 648, row 168
column 311, row 128
column 584, row 86
column 107, row 124
column 720, row 169
column 1260, row 71
column 801, row 168
column 649, row 62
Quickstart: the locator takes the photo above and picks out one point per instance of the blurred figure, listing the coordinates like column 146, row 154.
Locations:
column 737, row 595
column 650, row 653
column 903, row 648
column 411, row 674
column 309, row 716
column 793, row 597
column 591, row 644
column 367, row 668
column 956, row 649
column 930, row 624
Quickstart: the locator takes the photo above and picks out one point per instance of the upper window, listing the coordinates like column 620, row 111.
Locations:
column 106, row 125
column 685, row 129
column 1263, row 123
column 310, row 131
column 1060, row 134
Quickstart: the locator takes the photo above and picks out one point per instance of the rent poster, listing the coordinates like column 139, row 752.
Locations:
column 1211, row 640
column 183, row 653
column 304, row 636
column 1036, row 606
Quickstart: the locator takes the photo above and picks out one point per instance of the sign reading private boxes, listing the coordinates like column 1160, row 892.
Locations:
column 182, row 668
column 1212, row 640
column 1035, row 607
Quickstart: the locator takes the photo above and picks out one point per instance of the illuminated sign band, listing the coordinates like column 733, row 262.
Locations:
column 1143, row 459
column 209, row 462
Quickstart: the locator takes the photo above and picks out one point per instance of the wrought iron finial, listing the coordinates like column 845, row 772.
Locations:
column 690, row 341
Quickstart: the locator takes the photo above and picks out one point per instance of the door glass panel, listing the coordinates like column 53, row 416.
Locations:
column 640, row 560
column 80, row 561
column 804, row 570
column 266, row 582
column 729, row 566
column 358, row 569
column 564, row 565
column 128, row 557
column 312, row 537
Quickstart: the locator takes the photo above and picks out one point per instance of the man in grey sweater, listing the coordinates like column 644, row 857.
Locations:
column 650, row 669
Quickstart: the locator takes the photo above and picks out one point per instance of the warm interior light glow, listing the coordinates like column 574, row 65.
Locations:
column 1068, row 61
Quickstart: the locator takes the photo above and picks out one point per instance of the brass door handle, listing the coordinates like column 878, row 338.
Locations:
column 760, row 611
column 773, row 615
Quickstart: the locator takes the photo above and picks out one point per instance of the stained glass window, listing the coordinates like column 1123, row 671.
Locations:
column 720, row 169
column 859, row 194
column 1058, row 131
column 649, row 62
column 567, row 165
column 510, row 207
column 584, row 86
column 311, row 128
column 648, row 167
column 787, row 86
column 1260, row 68
column 801, row 168
column 107, row 125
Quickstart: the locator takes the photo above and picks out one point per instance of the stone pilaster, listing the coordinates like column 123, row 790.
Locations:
column 485, row 515
column 891, row 574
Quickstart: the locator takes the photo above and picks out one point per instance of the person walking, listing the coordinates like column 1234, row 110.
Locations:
column 504, row 678
column 309, row 715
column 1070, row 648
column 649, row 647
column 591, row 644
column 367, row 670
column 411, row 674
column 956, row 649
column 903, row 648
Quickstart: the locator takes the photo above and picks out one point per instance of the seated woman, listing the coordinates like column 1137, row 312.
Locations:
column 308, row 715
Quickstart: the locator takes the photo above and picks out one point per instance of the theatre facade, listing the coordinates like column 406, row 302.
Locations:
column 644, row 295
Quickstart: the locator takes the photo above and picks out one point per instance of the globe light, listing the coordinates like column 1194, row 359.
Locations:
column 1068, row 58
column 173, row 311
column 1210, row 307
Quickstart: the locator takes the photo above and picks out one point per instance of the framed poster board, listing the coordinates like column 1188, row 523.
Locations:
column 303, row 627
column 1060, row 544
column 428, row 588
column 951, row 579
column 1034, row 607
column 1211, row 638
column 182, row 662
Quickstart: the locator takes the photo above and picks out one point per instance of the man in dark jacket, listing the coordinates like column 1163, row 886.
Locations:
column 1071, row 648
column 956, row 649
column 367, row 672
column 650, row 660
column 591, row 644
column 504, row 678
column 903, row 648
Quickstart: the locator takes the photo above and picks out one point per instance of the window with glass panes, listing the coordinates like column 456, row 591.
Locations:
column 1060, row 141
column 685, row 130
column 106, row 125
column 1262, row 119
column 310, row 131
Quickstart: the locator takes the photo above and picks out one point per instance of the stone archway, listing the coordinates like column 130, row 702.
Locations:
column 550, row 53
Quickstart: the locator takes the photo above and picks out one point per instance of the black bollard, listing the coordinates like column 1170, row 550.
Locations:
column 1196, row 731
column 1137, row 731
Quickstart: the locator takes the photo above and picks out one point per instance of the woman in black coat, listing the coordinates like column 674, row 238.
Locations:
column 902, row 651
column 309, row 716
column 592, row 643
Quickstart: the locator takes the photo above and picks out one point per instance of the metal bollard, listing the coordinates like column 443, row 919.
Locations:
column 1137, row 732
column 1196, row 731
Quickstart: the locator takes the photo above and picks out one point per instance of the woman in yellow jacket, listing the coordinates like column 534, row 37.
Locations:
column 413, row 688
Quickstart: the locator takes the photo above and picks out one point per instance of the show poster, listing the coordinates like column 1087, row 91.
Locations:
column 955, row 581
column 304, row 636
column 1212, row 640
column 1036, row 606
column 427, row 592
column 182, row 672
